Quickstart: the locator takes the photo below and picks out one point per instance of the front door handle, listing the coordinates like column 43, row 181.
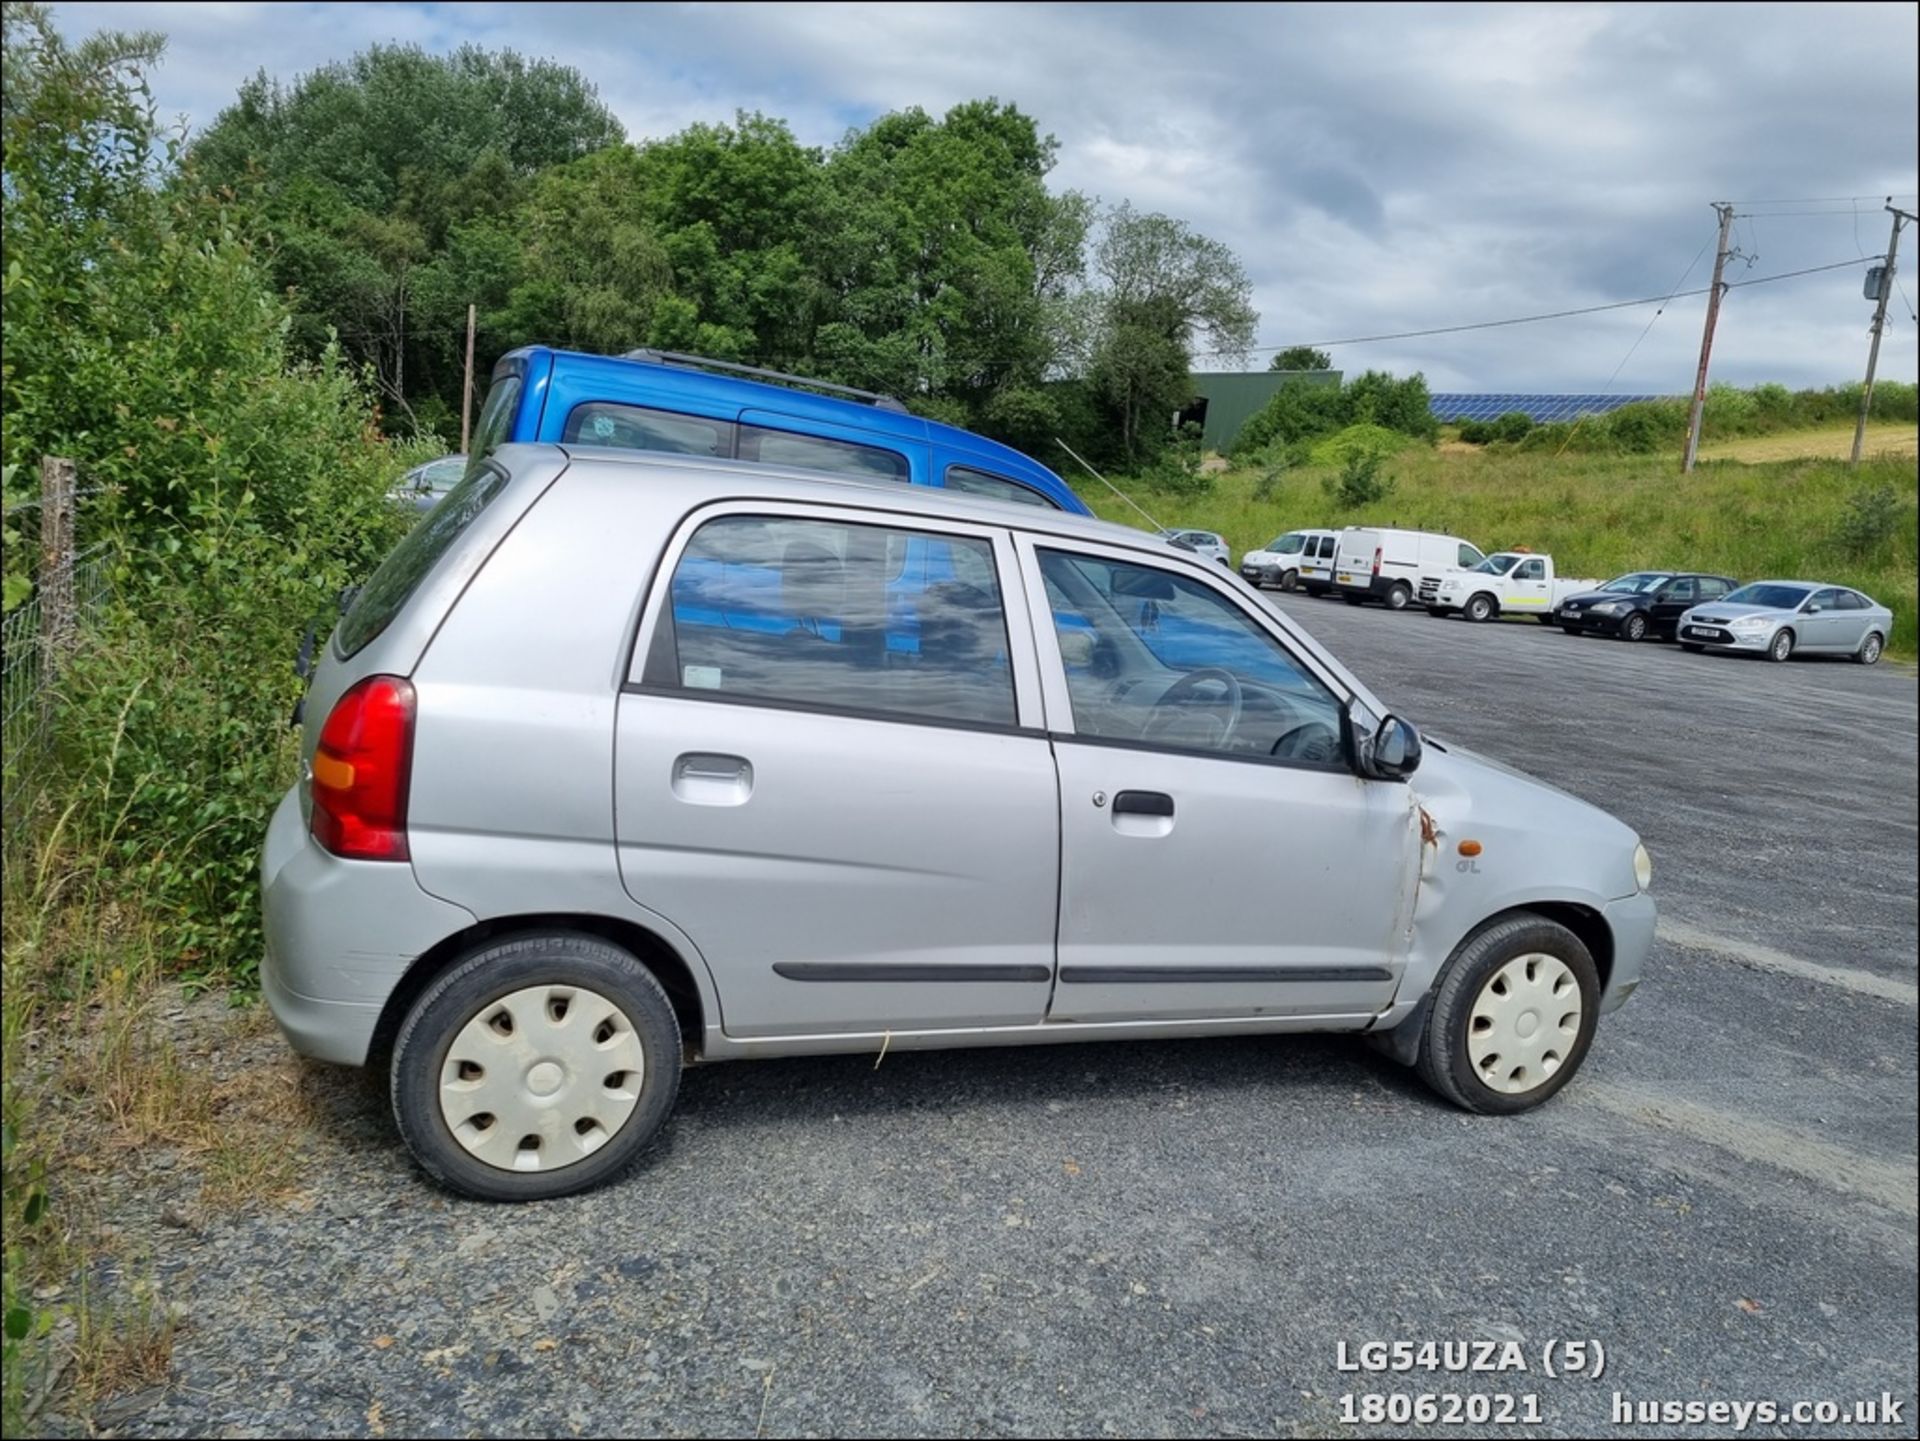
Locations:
column 705, row 779
column 1143, row 803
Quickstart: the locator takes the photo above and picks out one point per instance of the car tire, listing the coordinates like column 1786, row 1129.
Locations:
column 1290, row 580
column 1870, row 648
column 1634, row 627
column 1688, row 645
column 1479, row 608
column 555, row 1100
column 1781, row 646
column 1495, row 992
column 1399, row 597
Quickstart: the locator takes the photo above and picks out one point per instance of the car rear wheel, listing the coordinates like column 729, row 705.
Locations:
column 1634, row 627
column 1513, row 1016
column 1480, row 608
column 1781, row 646
column 1870, row 648
column 536, row 1067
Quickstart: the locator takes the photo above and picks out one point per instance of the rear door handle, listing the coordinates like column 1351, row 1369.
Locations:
column 1143, row 803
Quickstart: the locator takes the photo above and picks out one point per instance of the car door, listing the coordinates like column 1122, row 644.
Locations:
column 1822, row 625
column 1850, row 615
column 1527, row 588
column 1210, row 866
column 1671, row 601
column 830, row 772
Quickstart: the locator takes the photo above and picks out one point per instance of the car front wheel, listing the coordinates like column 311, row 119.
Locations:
column 1781, row 646
column 1634, row 627
column 1289, row 580
column 1513, row 1016
column 1480, row 608
column 537, row 1067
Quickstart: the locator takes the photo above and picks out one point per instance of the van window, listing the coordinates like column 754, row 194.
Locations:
column 496, row 419
column 981, row 482
column 400, row 574
column 823, row 614
column 1469, row 557
column 819, row 452
column 635, row 427
column 1326, row 547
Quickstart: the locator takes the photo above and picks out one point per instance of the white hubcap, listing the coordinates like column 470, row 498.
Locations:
column 541, row 1078
column 1524, row 1023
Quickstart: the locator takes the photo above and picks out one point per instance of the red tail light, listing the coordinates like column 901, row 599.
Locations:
column 1376, row 560
column 360, row 771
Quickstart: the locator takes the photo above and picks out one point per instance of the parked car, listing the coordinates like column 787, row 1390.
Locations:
column 620, row 760
column 688, row 405
column 1298, row 560
column 1386, row 565
column 424, row 485
column 1780, row 618
column 1204, row 543
column 1641, row 604
column 1511, row 582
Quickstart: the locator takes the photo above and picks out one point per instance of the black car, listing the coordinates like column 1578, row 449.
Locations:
column 1641, row 604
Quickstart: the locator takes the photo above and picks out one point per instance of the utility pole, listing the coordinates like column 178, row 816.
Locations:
column 466, row 389
column 1706, row 339
column 1900, row 218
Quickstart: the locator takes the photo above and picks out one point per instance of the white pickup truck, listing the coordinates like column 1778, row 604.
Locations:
column 1510, row 582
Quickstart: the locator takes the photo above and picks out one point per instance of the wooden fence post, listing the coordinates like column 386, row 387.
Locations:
column 57, row 617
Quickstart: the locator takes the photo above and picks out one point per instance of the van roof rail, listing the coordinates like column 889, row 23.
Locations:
column 702, row 362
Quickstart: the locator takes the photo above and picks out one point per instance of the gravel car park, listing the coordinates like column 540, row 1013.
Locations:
column 1177, row 1237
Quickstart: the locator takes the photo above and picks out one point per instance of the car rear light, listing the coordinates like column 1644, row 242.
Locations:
column 360, row 771
column 1376, row 560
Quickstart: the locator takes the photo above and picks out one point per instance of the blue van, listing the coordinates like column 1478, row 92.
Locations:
column 688, row 405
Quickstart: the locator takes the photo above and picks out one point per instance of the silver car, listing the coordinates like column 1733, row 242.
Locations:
column 1203, row 543
column 625, row 760
column 1780, row 618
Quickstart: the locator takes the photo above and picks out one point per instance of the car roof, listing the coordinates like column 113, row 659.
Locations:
column 718, row 477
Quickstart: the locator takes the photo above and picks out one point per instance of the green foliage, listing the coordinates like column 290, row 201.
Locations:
column 1357, row 440
column 1512, row 426
column 1177, row 469
column 1304, row 410
column 1875, row 515
column 1359, row 481
column 1301, row 357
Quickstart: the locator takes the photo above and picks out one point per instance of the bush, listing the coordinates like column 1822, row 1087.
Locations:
column 1301, row 410
column 1873, row 517
column 1177, row 470
column 1343, row 445
column 1513, row 426
column 1359, row 481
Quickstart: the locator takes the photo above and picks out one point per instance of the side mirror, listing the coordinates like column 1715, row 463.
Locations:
column 1814, row 607
column 1392, row 752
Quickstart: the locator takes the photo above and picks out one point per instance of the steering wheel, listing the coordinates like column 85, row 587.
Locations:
column 1175, row 708
column 1308, row 740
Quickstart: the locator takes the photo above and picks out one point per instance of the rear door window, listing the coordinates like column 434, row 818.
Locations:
column 829, row 615
column 636, row 427
column 386, row 593
column 819, row 452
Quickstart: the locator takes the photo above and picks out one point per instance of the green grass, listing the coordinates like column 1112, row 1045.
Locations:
column 1598, row 515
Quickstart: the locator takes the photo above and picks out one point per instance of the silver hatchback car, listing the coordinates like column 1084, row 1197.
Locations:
column 622, row 761
column 1782, row 618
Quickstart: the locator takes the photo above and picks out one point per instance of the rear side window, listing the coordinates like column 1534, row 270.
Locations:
column 1849, row 600
column 822, row 614
column 1326, row 547
column 386, row 593
column 980, row 482
column 819, row 452
column 635, row 427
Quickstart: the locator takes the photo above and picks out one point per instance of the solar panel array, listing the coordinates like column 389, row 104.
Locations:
column 1540, row 408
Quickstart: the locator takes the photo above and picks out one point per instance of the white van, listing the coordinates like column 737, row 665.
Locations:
column 1386, row 565
column 1300, row 559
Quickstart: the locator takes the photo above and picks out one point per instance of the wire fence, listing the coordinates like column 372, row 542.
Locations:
column 27, row 666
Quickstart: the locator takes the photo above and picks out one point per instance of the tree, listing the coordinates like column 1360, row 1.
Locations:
column 1301, row 357
column 1163, row 284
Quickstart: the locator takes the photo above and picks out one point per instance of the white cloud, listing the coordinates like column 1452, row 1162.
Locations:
column 1378, row 168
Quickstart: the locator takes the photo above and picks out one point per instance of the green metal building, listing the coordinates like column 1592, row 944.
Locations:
column 1226, row 400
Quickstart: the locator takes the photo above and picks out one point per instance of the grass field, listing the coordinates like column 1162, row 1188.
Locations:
column 1835, row 443
column 1598, row 515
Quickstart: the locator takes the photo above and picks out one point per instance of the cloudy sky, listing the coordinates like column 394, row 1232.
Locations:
column 1377, row 169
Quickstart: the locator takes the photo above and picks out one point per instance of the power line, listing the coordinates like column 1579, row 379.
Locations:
column 1823, row 199
column 1546, row 315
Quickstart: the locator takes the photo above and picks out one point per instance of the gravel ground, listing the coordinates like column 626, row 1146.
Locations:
column 1174, row 1239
